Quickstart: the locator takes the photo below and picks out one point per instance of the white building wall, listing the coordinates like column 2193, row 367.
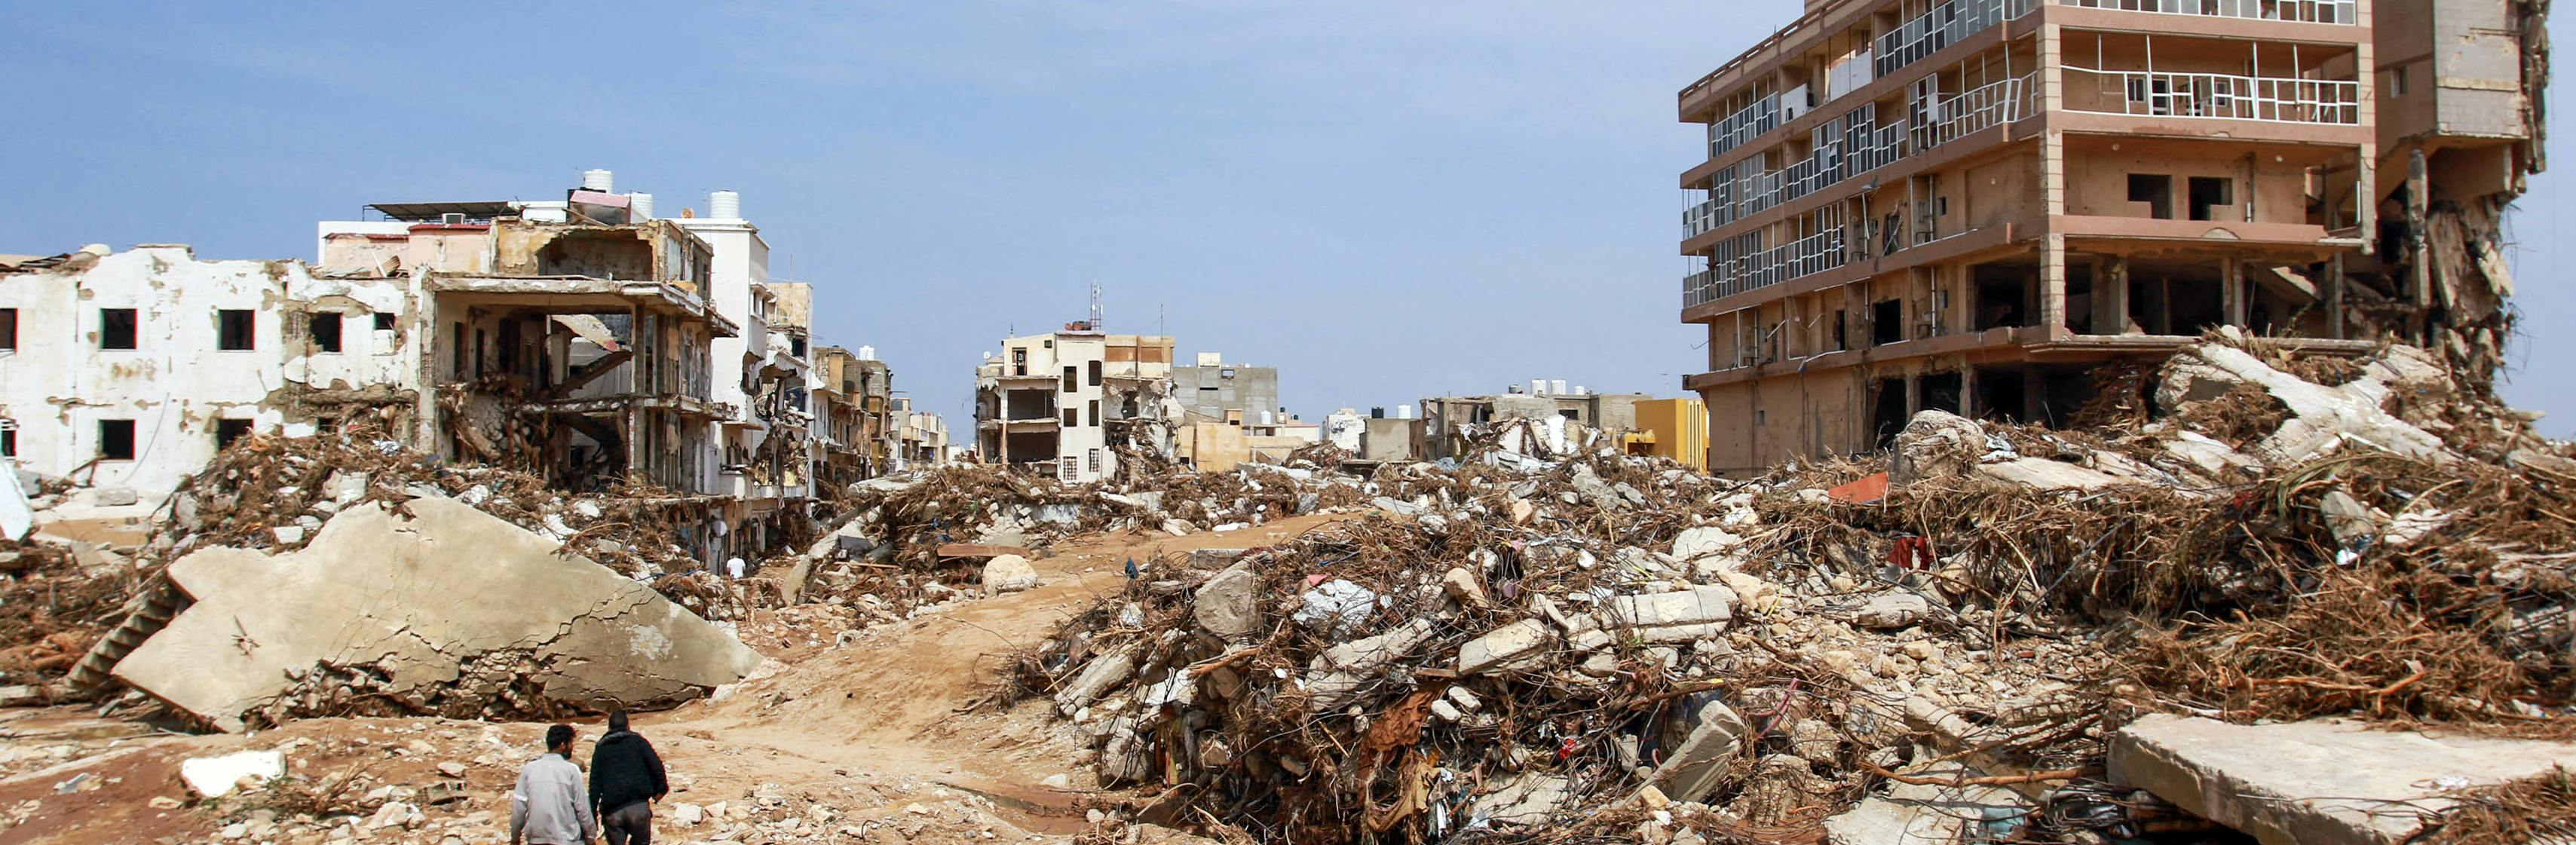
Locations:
column 58, row 385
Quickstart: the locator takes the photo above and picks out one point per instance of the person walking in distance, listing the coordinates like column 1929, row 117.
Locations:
column 626, row 777
column 550, row 807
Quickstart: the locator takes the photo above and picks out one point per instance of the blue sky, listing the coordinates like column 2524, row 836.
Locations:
column 1386, row 200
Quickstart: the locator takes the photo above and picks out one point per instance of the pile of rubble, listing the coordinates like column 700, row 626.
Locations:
column 1551, row 637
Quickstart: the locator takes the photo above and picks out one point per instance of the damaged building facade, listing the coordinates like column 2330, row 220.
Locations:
column 127, row 371
column 1066, row 403
column 1991, row 207
column 1449, row 421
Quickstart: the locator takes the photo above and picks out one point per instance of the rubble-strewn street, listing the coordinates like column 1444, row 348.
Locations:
column 2300, row 576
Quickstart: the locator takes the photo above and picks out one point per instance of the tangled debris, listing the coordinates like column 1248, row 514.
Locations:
column 1543, row 645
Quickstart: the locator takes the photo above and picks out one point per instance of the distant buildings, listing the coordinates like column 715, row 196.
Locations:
column 1447, row 421
column 583, row 340
column 1236, row 394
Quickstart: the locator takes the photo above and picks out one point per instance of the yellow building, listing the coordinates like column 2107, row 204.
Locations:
column 1672, row 428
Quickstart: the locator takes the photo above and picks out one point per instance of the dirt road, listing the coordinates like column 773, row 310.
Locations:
column 875, row 735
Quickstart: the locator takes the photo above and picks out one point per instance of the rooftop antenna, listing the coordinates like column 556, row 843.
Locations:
column 1096, row 325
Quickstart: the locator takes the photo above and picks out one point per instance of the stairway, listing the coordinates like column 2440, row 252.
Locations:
column 145, row 615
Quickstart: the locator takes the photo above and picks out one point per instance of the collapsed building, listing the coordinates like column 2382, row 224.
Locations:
column 1449, row 423
column 2008, row 209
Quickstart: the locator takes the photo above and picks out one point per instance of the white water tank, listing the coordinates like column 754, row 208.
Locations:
column 724, row 205
column 1404, row 412
column 1538, row 387
column 1580, row 390
column 598, row 180
column 1556, row 386
column 640, row 206
column 867, row 353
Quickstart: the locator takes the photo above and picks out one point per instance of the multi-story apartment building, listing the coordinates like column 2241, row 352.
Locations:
column 1065, row 403
column 1972, row 205
column 924, row 438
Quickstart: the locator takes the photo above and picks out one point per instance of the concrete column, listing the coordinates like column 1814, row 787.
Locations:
column 1913, row 393
column 2334, row 296
column 2231, row 274
column 2034, row 395
column 1967, row 389
column 2111, row 296
column 2052, row 284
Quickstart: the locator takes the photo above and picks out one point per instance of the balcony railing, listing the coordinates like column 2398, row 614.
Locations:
column 2224, row 96
column 1957, row 116
column 1746, row 124
column 1946, row 24
column 1738, row 268
column 2303, row 11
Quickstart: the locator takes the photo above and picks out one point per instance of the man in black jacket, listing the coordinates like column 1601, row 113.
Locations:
column 625, row 779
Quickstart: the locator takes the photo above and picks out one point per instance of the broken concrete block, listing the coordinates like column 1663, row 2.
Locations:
column 1697, row 606
column 1504, row 645
column 1527, row 800
column 2325, row 781
column 1101, row 675
column 288, row 535
column 1462, row 587
column 1699, row 764
column 1009, row 574
column 113, row 496
column 2045, row 474
column 417, row 599
column 215, row 777
column 1892, row 610
column 1695, row 543
column 1214, row 558
column 1336, row 606
column 1226, row 606
column 1916, row 813
column 1935, row 444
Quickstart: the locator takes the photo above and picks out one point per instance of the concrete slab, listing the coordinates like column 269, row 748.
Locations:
column 2323, row 782
column 420, row 599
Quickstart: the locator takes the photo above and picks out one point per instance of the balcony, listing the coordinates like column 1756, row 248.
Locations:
column 1946, row 24
column 2274, row 99
column 2300, row 11
column 1761, row 268
column 1746, row 124
column 1958, row 116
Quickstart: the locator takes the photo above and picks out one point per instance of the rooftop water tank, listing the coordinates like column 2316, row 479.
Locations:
column 1556, row 386
column 867, row 353
column 597, row 180
column 640, row 206
column 1538, row 387
column 724, row 205
column 1404, row 412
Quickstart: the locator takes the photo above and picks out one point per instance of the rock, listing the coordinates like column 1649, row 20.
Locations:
column 1214, row 558
column 1504, row 645
column 1698, row 765
column 1345, row 669
column 687, row 815
column 375, row 584
column 395, row 814
column 2325, row 781
column 288, row 535
column 1893, row 610
column 1009, row 574
column 215, row 777
column 113, row 496
column 1177, row 527
column 1461, row 585
column 1935, row 444
column 451, row 769
column 163, row 802
column 2347, row 517
column 1057, row 781
column 1225, row 605
column 345, row 486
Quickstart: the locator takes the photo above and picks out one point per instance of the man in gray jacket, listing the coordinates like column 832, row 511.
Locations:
column 551, row 805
